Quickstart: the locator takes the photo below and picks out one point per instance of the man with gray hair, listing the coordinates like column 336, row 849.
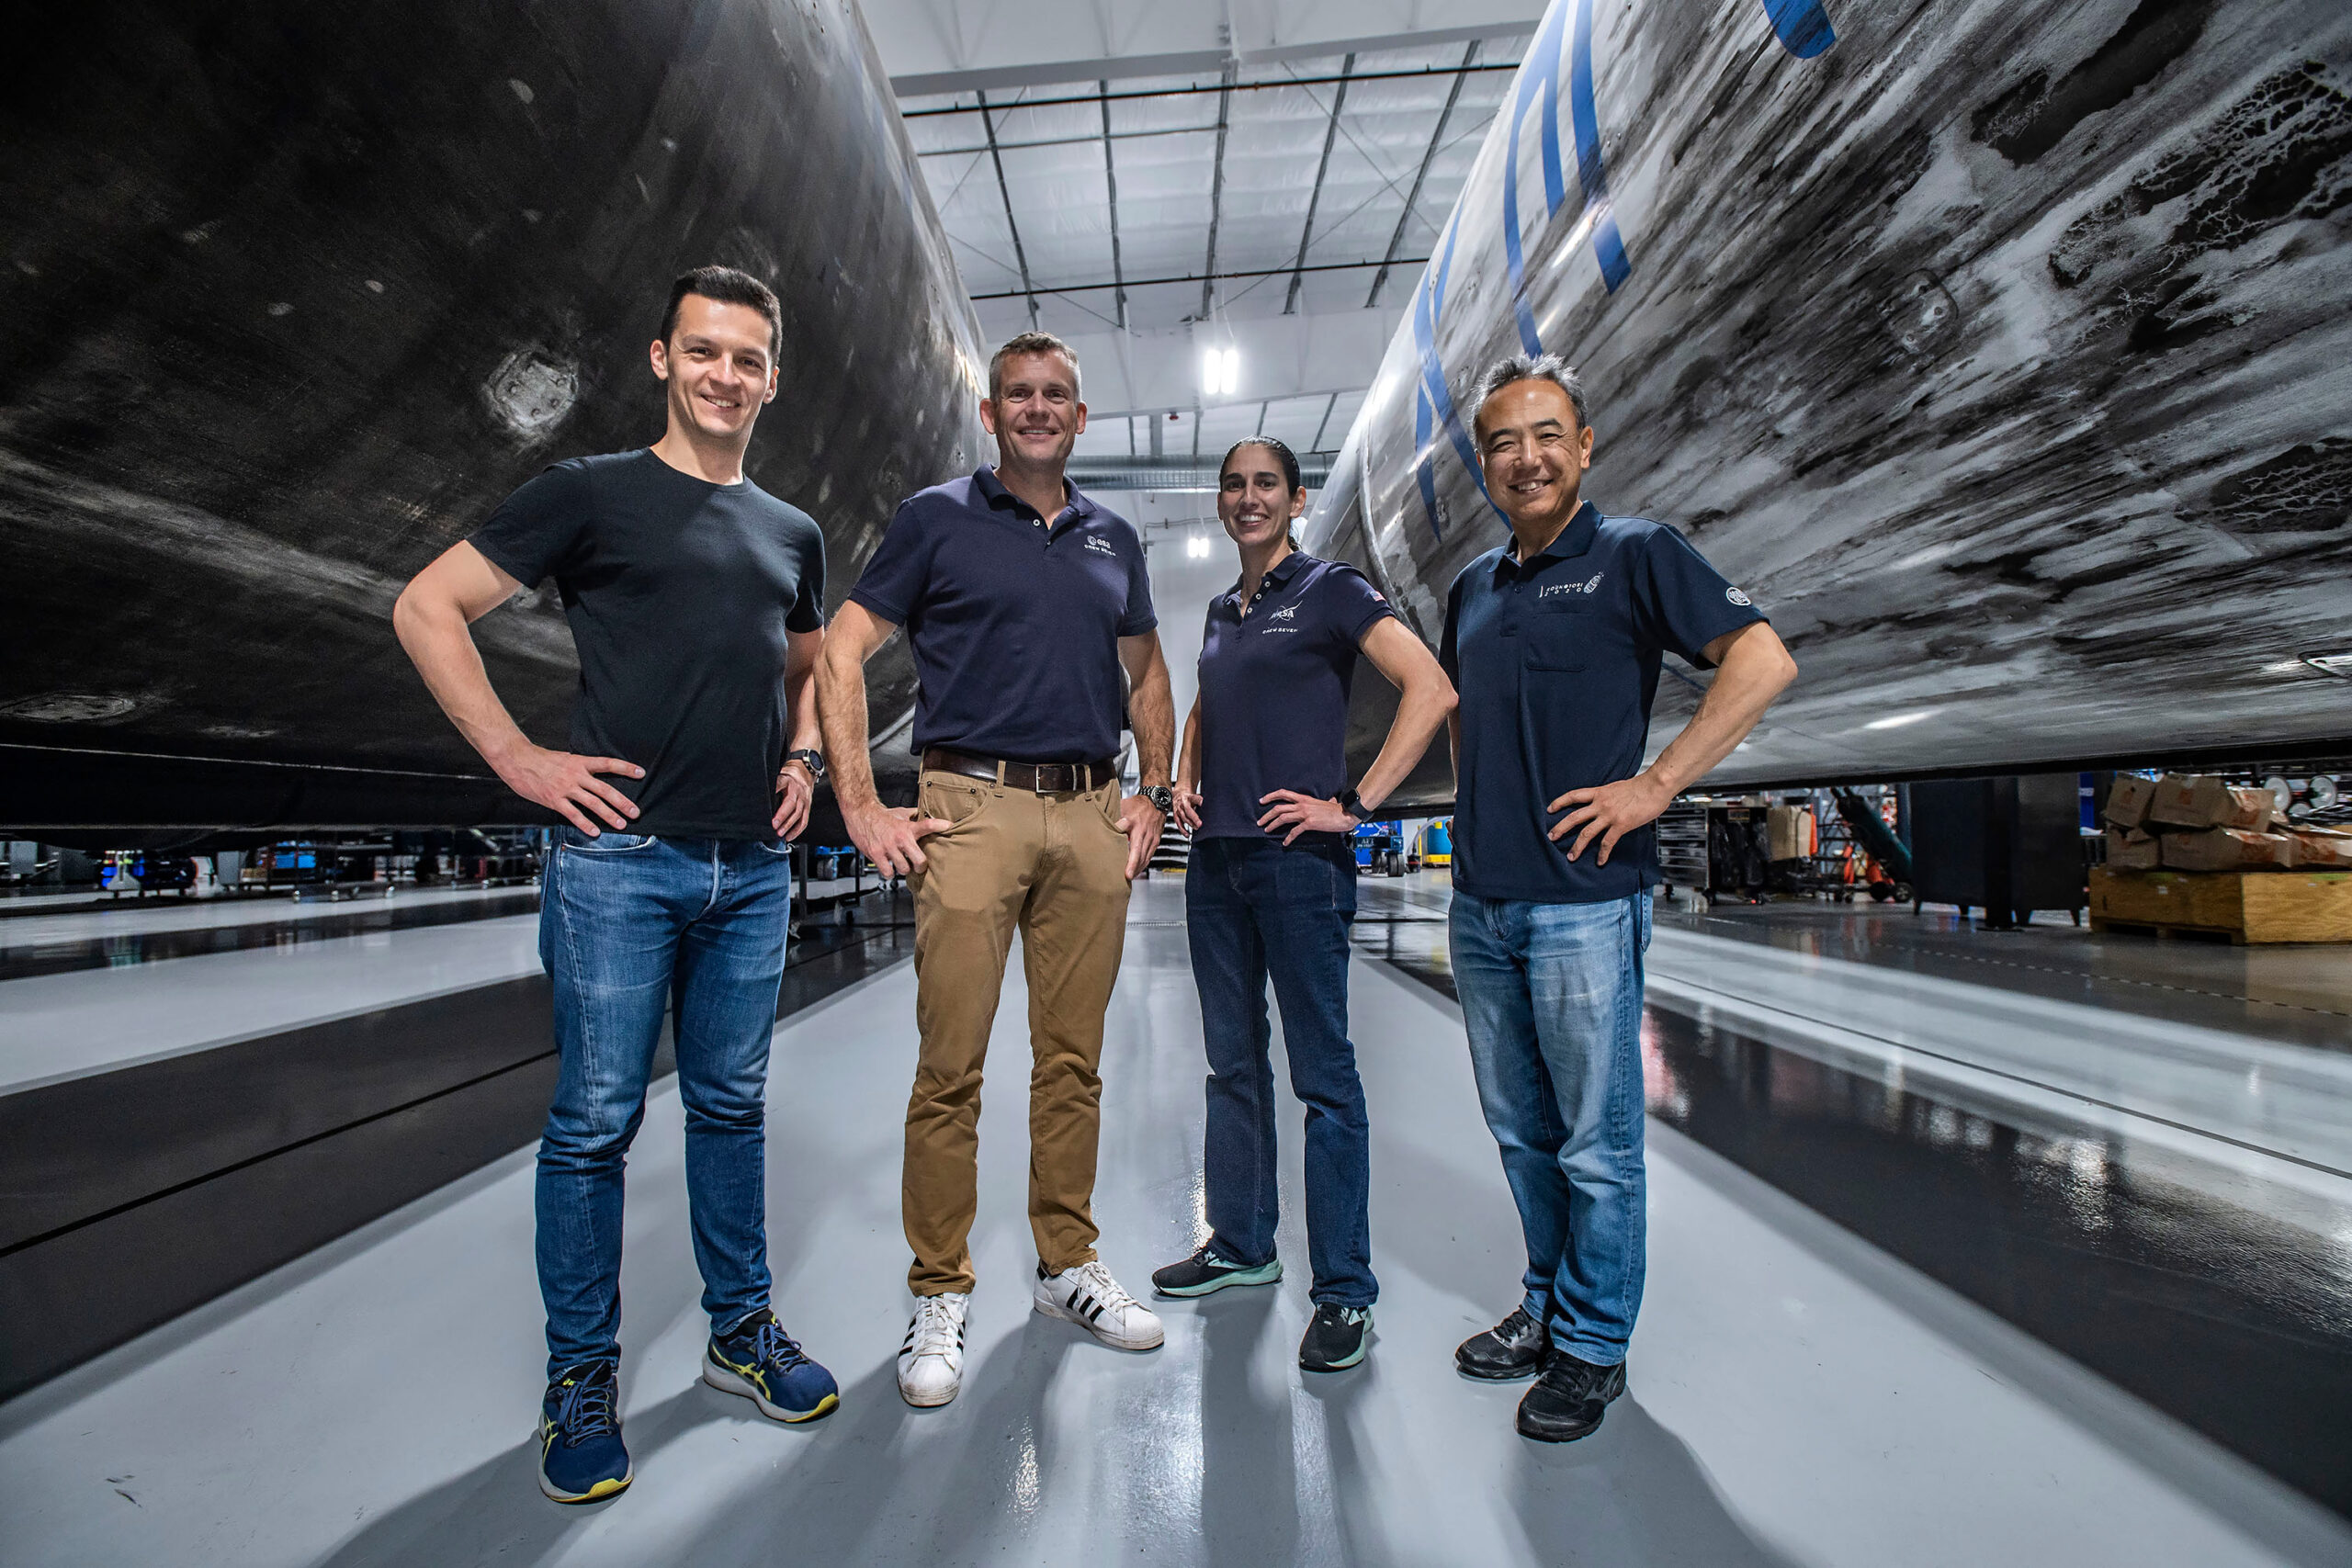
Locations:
column 1022, row 602
column 1554, row 639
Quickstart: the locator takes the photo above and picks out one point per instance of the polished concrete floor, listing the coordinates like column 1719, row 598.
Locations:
column 1799, row 1396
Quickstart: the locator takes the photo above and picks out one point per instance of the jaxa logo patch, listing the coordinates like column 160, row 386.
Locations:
column 1736, row 597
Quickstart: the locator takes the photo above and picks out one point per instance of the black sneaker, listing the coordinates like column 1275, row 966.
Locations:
column 1205, row 1271
column 1334, row 1341
column 1567, row 1400
column 1515, row 1347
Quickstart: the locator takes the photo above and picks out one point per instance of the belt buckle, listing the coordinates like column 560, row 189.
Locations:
column 1038, row 779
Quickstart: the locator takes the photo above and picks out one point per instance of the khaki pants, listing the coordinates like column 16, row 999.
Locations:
column 1054, row 867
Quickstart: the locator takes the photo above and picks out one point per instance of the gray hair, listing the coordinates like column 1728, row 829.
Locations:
column 1530, row 367
column 1026, row 344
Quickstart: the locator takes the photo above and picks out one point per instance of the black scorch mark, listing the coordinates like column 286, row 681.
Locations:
column 2277, row 156
column 2033, row 116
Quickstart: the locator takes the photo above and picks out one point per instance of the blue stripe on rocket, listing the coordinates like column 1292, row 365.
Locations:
column 1802, row 26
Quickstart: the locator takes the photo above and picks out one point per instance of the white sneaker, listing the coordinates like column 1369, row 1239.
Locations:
column 931, row 1363
column 1088, row 1296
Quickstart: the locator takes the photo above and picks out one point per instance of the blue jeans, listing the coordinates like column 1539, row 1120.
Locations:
column 1252, row 910
column 634, row 930
column 1551, row 997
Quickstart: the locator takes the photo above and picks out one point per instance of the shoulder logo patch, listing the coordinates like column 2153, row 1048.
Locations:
column 1736, row 597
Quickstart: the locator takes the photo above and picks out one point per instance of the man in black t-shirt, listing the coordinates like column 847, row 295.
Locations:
column 697, row 601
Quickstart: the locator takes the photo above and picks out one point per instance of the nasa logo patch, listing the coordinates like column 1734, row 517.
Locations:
column 1736, row 597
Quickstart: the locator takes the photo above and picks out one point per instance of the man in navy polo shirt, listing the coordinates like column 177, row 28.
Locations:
column 1553, row 641
column 1024, row 601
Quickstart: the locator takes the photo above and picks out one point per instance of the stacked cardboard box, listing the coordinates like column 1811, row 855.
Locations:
column 2197, row 822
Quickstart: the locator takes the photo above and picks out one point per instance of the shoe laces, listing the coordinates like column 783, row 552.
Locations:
column 1516, row 1324
column 1332, row 1312
column 1106, row 1290
column 772, row 1347
column 584, row 1408
column 935, row 1327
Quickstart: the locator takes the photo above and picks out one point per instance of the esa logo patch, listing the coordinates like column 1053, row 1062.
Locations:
column 1099, row 544
column 1736, row 597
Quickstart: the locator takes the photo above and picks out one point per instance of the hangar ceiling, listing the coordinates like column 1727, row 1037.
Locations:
column 1155, row 182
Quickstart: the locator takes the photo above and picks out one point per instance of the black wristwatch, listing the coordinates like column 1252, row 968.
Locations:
column 1351, row 803
column 812, row 759
column 1162, row 798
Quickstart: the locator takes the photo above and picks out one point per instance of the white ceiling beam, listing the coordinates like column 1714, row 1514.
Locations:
column 1019, row 53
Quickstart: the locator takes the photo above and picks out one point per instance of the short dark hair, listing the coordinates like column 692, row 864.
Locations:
column 1530, row 367
column 1282, row 455
column 728, row 287
column 1030, row 343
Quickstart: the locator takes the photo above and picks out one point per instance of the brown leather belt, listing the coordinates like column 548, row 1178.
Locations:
column 1039, row 778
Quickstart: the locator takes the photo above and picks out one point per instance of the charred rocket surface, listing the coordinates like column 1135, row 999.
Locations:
column 295, row 295
column 1999, row 351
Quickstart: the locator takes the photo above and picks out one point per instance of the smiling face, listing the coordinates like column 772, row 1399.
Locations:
column 1035, row 415
column 1254, row 500
column 720, row 367
column 1534, row 453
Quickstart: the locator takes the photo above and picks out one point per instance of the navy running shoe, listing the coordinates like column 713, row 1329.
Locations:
column 759, row 1360
column 582, row 1457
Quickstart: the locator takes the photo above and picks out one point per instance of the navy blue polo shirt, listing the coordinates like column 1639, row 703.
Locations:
column 1557, row 662
column 1275, row 679
column 1015, row 626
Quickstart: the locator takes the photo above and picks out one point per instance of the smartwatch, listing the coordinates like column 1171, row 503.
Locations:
column 1162, row 798
column 812, row 759
column 1354, row 807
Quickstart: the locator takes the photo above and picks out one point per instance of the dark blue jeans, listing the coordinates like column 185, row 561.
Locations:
column 1255, row 909
column 633, row 930
column 1551, row 997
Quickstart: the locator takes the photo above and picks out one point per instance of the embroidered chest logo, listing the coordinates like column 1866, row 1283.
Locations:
column 1590, row 584
column 1287, row 613
column 1099, row 544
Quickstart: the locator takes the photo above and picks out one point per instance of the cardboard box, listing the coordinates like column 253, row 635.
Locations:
column 2200, row 800
column 2321, row 848
column 2133, row 851
column 2227, row 849
column 2127, row 802
column 1789, row 829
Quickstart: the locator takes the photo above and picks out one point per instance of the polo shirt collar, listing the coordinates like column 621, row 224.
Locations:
column 1277, row 575
column 1078, row 503
column 1574, row 540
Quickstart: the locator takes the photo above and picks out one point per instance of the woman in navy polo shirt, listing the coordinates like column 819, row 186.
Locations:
column 1271, row 888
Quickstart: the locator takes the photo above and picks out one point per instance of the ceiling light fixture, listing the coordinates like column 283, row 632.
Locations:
column 1900, row 719
column 1197, row 547
column 1220, row 372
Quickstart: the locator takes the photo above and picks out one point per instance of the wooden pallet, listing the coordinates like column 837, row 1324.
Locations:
column 2244, row 906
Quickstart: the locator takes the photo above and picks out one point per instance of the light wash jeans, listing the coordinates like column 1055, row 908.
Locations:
column 1551, row 997
column 630, row 928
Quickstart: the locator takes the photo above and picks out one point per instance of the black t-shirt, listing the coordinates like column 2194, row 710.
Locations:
column 1274, row 680
column 679, row 593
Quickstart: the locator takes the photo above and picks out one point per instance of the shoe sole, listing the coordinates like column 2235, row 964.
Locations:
column 1341, row 1366
column 597, row 1494
column 1264, row 1274
column 726, row 1381
column 1051, row 1310
column 1579, row 1433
